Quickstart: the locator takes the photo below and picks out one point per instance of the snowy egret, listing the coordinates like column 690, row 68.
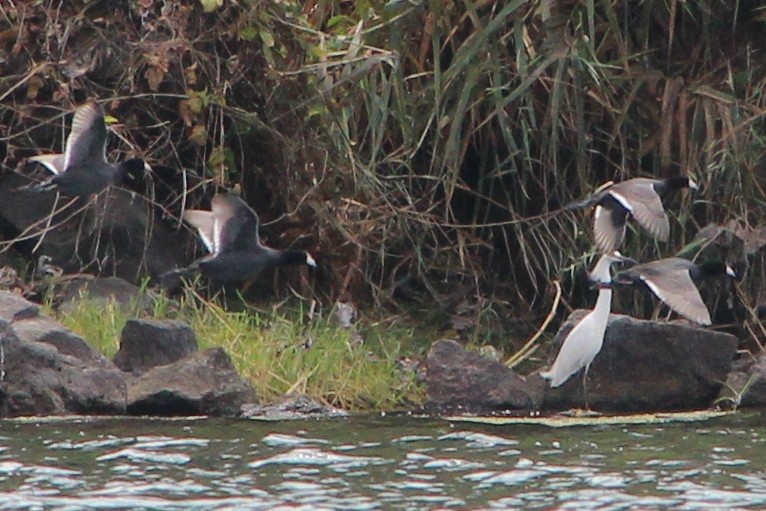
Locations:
column 584, row 341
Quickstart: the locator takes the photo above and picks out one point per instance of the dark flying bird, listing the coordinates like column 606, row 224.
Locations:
column 674, row 281
column 83, row 170
column 640, row 198
column 230, row 233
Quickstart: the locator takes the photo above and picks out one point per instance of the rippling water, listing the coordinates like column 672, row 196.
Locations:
column 380, row 463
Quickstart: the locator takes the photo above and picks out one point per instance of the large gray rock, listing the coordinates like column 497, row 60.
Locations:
column 458, row 380
column 119, row 233
column 14, row 307
column 146, row 343
column 46, row 369
column 648, row 366
column 30, row 326
column 204, row 384
column 49, row 331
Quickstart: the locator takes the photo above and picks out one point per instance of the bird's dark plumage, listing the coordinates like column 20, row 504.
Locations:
column 674, row 281
column 83, row 170
column 230, row 233
column 640, row 198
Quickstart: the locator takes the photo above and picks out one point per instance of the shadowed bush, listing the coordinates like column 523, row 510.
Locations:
column 423, row 149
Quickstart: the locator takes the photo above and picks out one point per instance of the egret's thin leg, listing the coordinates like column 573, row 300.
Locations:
column 585, row 386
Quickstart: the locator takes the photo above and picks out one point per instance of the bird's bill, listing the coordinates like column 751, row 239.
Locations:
column 310, row 260
column 619, row 258
column 693, row 184
column 730, row 271
column 601, row 273
column 600, row 284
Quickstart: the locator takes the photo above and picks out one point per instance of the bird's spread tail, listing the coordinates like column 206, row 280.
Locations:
column 173, row 280
column 580, row 204
column 179, row 272
column 47, row 186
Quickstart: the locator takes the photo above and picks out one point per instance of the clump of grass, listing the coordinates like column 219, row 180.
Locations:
column 98, row 321
column 282, row 351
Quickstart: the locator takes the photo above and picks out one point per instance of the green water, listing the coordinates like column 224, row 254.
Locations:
column 380, row 463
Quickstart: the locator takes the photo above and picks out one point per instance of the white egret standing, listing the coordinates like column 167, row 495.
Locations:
column 584, row 341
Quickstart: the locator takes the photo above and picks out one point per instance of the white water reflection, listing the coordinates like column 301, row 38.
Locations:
column 379, row 464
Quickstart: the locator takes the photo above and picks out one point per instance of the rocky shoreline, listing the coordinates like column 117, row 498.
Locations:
column 644, row 366
column 45, row 369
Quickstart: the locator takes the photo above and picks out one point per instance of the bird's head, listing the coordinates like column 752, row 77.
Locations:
column 601, row 274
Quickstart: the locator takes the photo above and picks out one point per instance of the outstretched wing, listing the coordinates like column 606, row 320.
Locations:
column 675, row 287
column 53, row 162
column 87, row 138
column 239, row 223
column 207, row 227
column 639, row 197
column 609, row 227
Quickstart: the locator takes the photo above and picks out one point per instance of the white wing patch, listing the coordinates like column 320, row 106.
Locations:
column 205, row 224
column 608, row 236
column 217, row 240
column 622, row 200
column 53, row 162
column 690, row 305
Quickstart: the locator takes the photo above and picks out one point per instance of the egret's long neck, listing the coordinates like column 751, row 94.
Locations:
column 603, row 304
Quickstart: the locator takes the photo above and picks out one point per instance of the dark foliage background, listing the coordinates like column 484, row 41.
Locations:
column 423, row 149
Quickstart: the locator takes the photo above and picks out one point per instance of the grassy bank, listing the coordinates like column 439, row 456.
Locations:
column 285, row 349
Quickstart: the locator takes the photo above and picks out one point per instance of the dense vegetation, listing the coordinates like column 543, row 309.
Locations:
column 422, row 148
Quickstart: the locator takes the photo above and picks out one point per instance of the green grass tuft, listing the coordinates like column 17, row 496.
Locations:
column 99, row 322
column 284, row 350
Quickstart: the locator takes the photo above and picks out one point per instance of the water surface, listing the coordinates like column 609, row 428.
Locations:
column 379, row 463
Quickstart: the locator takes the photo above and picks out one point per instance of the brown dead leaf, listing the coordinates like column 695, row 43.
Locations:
column 184, row 110
column 34, row 85
column 158, row 68
column 190, row 73
column 154, row 76
column 198, row 135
